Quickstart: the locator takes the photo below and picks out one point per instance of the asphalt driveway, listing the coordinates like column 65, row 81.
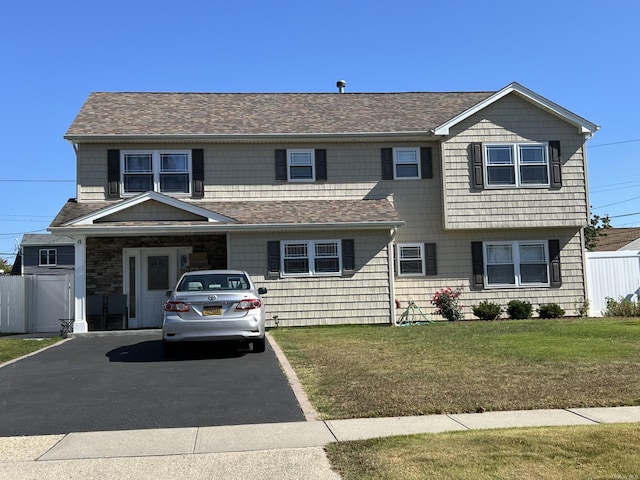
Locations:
column 123, row 382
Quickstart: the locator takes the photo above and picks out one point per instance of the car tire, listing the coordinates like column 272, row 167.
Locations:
column 170, row 349
column 259, row 345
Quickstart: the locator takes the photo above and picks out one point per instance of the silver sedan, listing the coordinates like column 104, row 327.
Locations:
column 211, row 305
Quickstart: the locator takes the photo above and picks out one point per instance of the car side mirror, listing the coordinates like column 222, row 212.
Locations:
column 168, row 293
column 262, row 290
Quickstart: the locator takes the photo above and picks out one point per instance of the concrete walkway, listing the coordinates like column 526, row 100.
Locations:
column 267, row 451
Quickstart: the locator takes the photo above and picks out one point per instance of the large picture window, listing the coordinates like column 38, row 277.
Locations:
column 516, row 165
column 160, row 171
column 516, row 263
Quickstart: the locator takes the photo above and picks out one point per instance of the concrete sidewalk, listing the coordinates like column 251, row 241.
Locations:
column 267, row 451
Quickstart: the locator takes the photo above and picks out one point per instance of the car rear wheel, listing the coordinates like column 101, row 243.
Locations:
column 259, row 345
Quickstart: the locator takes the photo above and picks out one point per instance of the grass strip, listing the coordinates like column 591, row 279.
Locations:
column 595, row 452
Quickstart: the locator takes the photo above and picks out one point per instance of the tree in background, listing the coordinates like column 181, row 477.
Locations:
column 596, row 227
column 5, row 268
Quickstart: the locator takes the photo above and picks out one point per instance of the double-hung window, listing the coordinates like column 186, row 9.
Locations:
column 301, row 165
column 47, row 257
column 311, row 257
column 517, row 165
column 411, row 259
column 406, row 163
column 159, row 171
column 523, row 263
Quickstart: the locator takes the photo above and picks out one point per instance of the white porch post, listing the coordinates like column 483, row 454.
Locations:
column 80, row 322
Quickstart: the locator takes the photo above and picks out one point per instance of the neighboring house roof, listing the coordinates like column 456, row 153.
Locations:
column 118, row 115
column 617, row 239
column 238, row 216
column 45, row 240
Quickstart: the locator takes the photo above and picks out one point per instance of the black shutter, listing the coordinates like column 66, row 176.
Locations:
column 273, row 259
column 554, row 263
column 113, row 174
column 426, row 164
column 386, row 155
column 477, row 263
column 197, row 173
column 281, row 164
column 556, row 169
column 348, row 257
column 477, row 170
column 431, row 265
column 321, row 164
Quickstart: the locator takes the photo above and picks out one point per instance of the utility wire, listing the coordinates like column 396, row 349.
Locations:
column 615, row 143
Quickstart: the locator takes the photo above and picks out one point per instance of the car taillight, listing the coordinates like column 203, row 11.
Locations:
column 176, row 307
column 249, row 304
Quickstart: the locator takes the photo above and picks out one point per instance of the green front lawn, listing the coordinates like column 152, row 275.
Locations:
column 380, row 371
column 586, row 452
column 11, row 348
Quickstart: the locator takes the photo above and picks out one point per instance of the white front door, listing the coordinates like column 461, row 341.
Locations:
column 159, row 274
column 148, row 273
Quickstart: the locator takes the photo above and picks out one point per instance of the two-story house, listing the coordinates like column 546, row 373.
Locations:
column 338, row 203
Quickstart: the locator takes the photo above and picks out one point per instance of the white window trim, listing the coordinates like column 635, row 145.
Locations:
column 310, row 258
column 155, row 167
column 313, row 165
column 515, row 147
column 515, row 249
column 48, row 250
column 423, row 267
column 397, row 150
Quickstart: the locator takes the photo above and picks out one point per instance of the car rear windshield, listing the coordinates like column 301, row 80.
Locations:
column 207, row 282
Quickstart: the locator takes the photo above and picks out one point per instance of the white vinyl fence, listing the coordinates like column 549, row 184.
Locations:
column 35, row 303
column 612, row 274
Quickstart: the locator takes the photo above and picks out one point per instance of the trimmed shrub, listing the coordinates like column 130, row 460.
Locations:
column 519, row 309
column 550, row 310
column 486, row 310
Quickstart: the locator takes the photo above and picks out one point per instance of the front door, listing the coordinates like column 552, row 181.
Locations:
column 159, row 274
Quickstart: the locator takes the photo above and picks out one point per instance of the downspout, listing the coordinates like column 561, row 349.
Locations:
column 392, row 286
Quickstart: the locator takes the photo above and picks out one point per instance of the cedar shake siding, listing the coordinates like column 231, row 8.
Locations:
column 468, row 204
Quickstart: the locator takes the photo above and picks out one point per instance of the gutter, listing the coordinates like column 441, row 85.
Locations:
column 266, row 137
column 97, row 230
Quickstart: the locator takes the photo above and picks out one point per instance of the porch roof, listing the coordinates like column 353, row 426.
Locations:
column 242, row 215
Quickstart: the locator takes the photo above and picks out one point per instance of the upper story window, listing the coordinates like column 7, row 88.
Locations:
column 516, row 264
column 301, row 165
column 516, row 165
column 406, row 163
column 47, row 257
column 158, row 170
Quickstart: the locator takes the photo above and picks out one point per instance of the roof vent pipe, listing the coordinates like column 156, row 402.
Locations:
column 341, row 84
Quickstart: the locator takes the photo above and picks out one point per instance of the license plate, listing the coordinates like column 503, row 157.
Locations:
column 212, row 311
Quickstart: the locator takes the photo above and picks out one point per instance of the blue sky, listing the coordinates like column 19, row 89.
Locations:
column 583, row 55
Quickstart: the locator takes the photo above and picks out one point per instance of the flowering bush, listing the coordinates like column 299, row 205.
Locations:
column 446, row 303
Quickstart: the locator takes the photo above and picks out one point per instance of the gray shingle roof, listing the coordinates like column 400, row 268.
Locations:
column 615, row 238
column 307, row 212
column 105, row 114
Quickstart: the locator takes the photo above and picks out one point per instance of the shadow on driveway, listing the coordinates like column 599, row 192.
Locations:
column 124, row 382
column 151, row 351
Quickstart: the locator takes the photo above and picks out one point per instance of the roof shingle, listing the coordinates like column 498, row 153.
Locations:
column 142, row 114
